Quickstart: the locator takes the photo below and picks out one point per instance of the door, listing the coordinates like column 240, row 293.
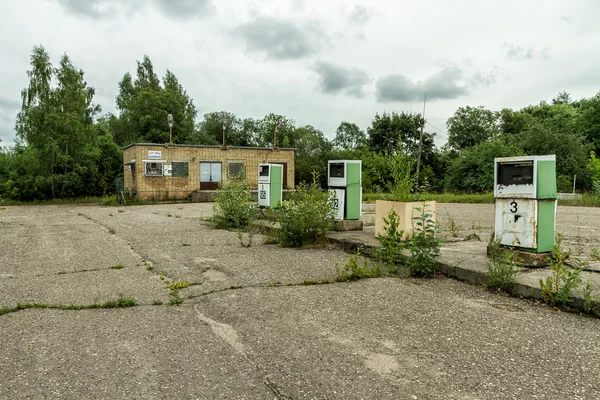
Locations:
column 210, row 175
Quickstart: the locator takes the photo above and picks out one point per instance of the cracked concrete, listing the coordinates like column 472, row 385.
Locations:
column 243, row 333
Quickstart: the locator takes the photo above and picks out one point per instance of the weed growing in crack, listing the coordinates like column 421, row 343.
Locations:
column 161, row 276
column 589, row 301
column 557, row 288
column 149, row 268
column 502, row 269
column 117, row 266
column 157, row 303
column 453, row 227
column 595, row 254
column 186, row 244
column 175, row 299
column 353, row 270
column 179, row 285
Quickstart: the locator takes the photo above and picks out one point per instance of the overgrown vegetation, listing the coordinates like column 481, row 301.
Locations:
column 423, row 245
column 306, row 217
column 354, row 269
column 419, row 252
column 232, row 207
column 502, row 268
column 557, row 288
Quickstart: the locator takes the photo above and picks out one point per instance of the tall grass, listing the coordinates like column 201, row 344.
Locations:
column 588, row 200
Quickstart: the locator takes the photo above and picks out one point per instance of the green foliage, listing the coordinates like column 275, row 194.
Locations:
column 424, row 246
column 144, row 104
column 473, row 170
column 306, row 217
column 471, row 126
column 502, row 269
column 401, row 183
column 392, row 243
column 557, row 288
column 179, row 285
column 232, row 207
column 348, row 136
column 117, row 266
column 354, row 270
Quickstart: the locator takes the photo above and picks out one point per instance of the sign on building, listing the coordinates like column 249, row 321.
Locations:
column 154, row 154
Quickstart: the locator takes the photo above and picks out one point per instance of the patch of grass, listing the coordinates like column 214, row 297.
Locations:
column 179, row 285
column 161, row 277
column 121, row 302
column 117, row 266
column 186, row 244
column 157, row 303
column 149, row 268
column 21, row 306
column 353, row 270
column 175, row 300
column 486, row 198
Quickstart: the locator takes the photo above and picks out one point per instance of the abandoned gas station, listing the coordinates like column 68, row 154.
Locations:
column 175, row 171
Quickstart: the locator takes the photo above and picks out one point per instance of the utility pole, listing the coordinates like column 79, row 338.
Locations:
column 421, row 139
column 275, row 136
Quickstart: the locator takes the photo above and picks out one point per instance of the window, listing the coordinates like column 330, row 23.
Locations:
column 236, row 170
column 154, row 168
column 180, row 169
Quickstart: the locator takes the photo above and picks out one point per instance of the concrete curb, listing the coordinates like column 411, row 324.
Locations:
column 472, row 268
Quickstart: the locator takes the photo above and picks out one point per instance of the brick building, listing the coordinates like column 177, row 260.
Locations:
column 175, row 171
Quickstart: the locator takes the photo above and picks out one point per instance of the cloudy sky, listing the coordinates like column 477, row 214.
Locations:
column 318, row 62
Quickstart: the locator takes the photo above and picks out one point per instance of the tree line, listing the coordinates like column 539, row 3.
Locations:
column 66, row 147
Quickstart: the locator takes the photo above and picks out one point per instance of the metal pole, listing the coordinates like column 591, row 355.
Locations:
column 421, row 140
column 171, row 134
column 574, row 180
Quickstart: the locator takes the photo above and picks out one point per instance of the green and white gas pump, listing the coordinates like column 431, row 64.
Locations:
column 525, row 202
column 344, row 179
column 270, row 185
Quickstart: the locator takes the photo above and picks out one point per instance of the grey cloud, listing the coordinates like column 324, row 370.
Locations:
column 185, row 9
column 99, row 9
column 484, row 79
column 442, row 85
column 516, row 52
column 336, row 78
column 360, row 15
column 281, row 39
column 94, row 9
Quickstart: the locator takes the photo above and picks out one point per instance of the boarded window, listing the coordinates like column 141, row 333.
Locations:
column 180, row 169
column 154, row 169
column 236, row 170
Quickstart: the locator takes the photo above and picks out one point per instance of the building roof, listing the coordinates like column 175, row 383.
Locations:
column 206, row 146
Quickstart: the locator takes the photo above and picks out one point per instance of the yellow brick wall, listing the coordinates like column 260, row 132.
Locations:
column 176, row 187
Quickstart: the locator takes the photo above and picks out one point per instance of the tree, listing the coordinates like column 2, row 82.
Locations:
column 311, row 154
column 238, row 132
column 348, row 136
column 57, row 124
column 144, row 104
column 394, row 132
column 470, row 126
column 473, row 170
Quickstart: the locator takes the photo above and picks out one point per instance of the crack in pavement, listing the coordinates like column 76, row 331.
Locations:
column 231, row 337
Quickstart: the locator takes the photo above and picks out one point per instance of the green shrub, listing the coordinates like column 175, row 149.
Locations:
column 424, row 246
column 557, row 288
column 306, row 217
column 391, row 241
column 502, row 269
column 232, row 208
